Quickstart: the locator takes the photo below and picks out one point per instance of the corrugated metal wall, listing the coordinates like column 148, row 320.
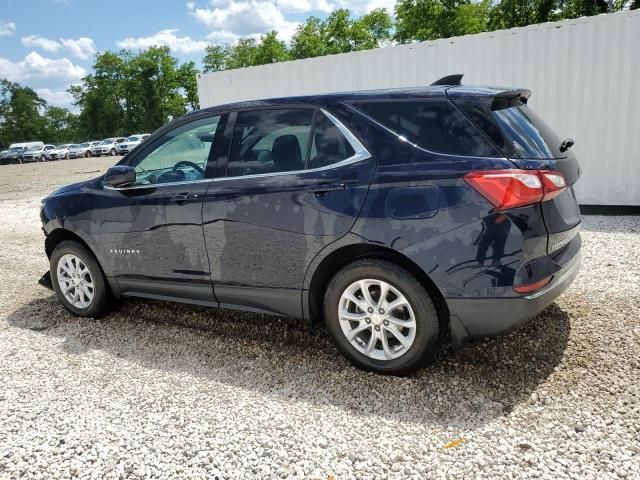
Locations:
column 584, row 74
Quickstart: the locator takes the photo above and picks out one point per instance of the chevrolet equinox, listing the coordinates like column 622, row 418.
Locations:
column 400, row 218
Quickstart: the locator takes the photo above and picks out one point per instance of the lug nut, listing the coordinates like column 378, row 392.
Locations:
column 377, row 328
column 381, row 310
column 386, row 322
column 368, row 320
column 370, row 310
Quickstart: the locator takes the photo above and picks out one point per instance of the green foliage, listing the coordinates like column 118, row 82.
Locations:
column 340, row 34
column 24, row 116
column 129, row 93
column 433, row 19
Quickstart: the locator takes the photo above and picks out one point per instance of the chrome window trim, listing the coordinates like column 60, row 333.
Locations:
column 157, row 185
column 360, row 153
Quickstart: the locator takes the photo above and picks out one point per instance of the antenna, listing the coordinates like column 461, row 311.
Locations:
column 450, row 80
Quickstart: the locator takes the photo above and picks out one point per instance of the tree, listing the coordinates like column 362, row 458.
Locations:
column 187, row 79
column 308, row 41
column 20, row 113
column 433, row 19
column 271, row 50
column 340, row 34
column 216, row 58
column 61, row 125
column 130, row 93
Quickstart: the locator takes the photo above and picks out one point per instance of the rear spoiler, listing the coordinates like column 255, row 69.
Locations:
column 510, row 97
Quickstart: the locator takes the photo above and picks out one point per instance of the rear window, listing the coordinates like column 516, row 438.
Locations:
column 435, row 125
column 514, row 127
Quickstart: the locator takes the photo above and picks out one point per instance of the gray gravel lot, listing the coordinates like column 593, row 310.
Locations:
column 159, row 390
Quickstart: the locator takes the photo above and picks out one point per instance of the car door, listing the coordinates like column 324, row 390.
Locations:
column 151, row 231
column 293, row 183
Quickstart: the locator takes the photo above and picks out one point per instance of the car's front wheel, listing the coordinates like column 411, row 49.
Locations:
column 78, row 280
column 112, row 152
column 381, row 317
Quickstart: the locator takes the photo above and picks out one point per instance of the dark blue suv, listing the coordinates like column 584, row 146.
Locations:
column 400, row 218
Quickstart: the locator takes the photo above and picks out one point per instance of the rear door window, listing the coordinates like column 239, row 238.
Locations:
column 269, row 141
column 434, row 125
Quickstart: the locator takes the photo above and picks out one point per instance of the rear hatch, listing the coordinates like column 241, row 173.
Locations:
column 525, row 139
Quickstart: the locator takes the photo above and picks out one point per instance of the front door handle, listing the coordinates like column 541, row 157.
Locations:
column 181, row 198
column 324, row 188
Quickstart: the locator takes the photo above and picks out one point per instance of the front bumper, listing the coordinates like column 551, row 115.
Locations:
column 487, row 317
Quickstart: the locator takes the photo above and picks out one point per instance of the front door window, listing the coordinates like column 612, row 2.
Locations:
column 180, row 155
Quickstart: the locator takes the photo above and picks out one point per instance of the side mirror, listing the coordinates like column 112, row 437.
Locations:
column 119, row 176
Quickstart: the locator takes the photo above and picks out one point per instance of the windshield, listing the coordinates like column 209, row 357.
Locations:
column 62, row 147
column 106, row 141
column 83, row 145
column 73, row 145
column 133, row 138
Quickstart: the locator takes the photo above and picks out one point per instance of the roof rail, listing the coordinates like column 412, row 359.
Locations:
column 450, row 80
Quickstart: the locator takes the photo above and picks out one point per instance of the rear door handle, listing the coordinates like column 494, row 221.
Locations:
column 184, row 197
column 325, row 188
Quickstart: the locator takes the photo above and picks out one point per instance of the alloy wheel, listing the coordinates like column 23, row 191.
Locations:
column 75, row 281
column 377, row 319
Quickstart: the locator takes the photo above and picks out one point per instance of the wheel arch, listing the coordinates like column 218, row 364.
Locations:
column 61, row 234
column 345, row 255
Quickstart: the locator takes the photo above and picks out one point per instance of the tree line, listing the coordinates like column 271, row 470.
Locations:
column 135, row 92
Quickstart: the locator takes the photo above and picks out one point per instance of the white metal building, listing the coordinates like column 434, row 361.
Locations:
column 584, row 75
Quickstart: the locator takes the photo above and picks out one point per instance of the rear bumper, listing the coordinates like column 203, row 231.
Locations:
column 486, row 317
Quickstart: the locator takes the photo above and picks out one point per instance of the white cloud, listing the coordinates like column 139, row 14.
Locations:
column 296, row 6
column 191, row 5
column 35, row 66
column 165, row 38
column 59, row 98
column 7, row 29
column 82, row 47
column 362, row 7
column 34, row 41
column 245, row 18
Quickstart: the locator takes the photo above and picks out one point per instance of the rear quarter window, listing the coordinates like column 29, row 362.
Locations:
column 515, row 128
column 435, row 125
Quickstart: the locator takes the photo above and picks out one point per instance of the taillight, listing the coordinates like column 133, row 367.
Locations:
column 513, row 188
column 532, row 287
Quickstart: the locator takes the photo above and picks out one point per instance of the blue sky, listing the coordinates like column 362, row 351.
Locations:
column 50, row 44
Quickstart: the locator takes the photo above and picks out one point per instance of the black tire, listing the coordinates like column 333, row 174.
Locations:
column 112, row 152
column 427, row 334
column 102, row 302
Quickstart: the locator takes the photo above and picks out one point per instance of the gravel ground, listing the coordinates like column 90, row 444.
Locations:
column 168, row 391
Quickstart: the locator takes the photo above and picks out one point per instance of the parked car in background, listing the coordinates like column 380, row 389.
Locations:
column 14, row 155
column 61, row 151
column 399, row 218
column 131, row 142
column 11, row 155
column 108, row 146
column 26, row 145
column 82, row 150
column 37, row 154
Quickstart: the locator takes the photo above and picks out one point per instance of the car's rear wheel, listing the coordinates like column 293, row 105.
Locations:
column 78, row 280
column 381, row 317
